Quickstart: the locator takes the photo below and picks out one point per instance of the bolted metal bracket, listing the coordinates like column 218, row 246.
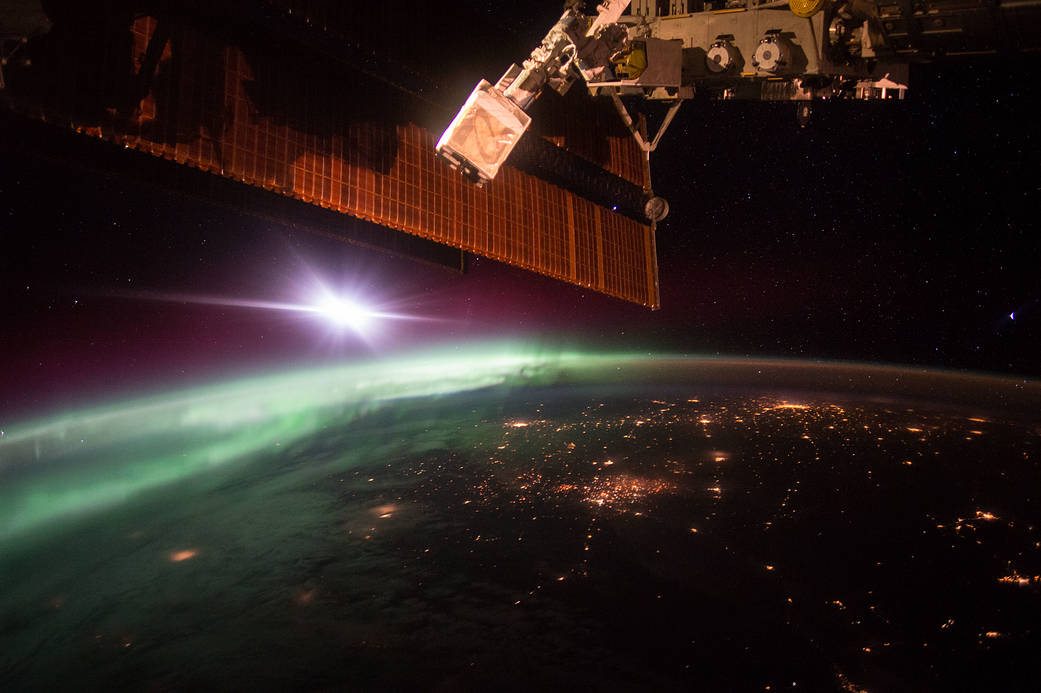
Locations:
column 640, row 139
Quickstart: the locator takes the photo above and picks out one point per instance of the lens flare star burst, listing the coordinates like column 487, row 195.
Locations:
column 346, row 312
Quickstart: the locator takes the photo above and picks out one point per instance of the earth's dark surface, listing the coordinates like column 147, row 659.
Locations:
column 508, row 522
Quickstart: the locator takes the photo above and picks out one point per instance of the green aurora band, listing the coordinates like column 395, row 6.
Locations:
column 94, row 459
column 89, row 460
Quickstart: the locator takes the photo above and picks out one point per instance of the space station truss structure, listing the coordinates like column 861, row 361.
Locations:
column 190, row 95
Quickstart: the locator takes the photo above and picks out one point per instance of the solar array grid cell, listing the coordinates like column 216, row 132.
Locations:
column 381, row 172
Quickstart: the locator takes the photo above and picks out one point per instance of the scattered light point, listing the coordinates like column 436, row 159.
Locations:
column 179, row 556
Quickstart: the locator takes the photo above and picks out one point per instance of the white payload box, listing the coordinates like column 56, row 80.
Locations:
column 483, row 133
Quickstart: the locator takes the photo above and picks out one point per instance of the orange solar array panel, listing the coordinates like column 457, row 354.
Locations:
column 204, row 116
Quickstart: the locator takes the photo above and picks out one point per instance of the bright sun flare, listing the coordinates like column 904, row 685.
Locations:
column 345, row 313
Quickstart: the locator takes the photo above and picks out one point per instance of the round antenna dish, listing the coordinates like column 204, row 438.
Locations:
column 656, row 208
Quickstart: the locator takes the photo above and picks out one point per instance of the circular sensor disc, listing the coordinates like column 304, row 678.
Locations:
column 806, row 8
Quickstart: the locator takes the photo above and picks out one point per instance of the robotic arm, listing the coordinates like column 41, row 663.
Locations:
column 494, row 117
column 799, row 51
